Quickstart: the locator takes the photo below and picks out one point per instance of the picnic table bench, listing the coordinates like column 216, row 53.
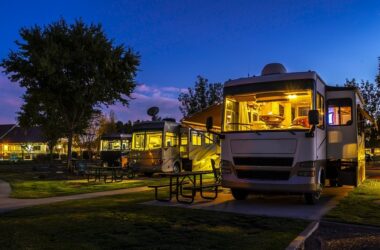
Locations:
column 99, row 172
column 187, row 180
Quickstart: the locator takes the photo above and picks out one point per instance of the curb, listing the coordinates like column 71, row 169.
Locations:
column 298, row 242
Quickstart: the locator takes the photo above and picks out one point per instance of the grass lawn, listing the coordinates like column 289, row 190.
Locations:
column 25, row 183
column 361, row 206
column 120, row 222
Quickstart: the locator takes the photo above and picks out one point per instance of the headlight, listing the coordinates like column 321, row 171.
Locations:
column 226, row 166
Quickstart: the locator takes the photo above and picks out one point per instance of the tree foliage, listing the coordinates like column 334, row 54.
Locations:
column 370, row 93
column 203, row 95
column 71, row 69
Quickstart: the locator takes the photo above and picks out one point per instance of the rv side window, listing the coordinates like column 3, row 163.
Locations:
column 196, row 138
column 340, row 112
column 321, row 109
column 171, row 139
column 139, row 141
column 154, row 140
column 208, row 138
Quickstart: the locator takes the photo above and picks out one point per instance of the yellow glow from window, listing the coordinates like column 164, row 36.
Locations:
column 290, row 97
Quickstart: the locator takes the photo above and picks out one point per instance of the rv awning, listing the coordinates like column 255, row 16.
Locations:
column 367, row 116
column 198, row 120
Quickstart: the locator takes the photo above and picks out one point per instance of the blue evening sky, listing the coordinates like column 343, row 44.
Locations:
column 179, row 40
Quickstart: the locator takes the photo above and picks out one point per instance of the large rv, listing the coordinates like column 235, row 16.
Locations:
column 290, row 132
column 167, row 146
column 114, row 149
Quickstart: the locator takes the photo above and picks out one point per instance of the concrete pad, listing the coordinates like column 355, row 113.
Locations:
column 273, row 206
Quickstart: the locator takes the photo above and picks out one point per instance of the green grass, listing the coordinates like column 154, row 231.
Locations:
column 359, row 206
column 25, row 183
column 122, row 222
column 49, row 188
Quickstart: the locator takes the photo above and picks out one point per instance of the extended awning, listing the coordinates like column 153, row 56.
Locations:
column 367, row 116
column 197, row 121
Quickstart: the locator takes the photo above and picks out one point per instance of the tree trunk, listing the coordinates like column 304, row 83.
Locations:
column 69, row 151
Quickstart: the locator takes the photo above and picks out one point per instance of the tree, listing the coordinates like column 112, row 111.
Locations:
column 74, row 68
column 35, row 113
column 203, row 95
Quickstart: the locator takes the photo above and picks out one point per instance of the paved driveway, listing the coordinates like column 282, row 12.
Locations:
column 275, row 206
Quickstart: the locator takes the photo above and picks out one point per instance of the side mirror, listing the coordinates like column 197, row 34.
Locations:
column 313, row 117
column 209, row 123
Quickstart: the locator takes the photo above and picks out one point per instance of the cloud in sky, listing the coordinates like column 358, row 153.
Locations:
column 145, row 96
column 10, row 100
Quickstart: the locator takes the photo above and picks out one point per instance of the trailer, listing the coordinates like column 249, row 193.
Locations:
column 289, row 133
column 168, row 146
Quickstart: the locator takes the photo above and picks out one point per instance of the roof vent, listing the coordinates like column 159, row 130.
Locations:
column 273, row 68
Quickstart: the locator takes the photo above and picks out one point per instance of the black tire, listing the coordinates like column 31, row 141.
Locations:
column 176, row 168
column 239, row 194
column 333, row 182
column 312, row 198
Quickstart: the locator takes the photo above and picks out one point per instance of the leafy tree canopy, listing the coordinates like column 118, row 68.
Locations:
column 72, row 68
column 203, row 95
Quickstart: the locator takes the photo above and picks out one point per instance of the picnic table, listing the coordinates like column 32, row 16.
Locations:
column 187, row 180
column 98, row 172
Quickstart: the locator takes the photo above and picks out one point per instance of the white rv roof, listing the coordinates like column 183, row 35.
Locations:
column 273, row 78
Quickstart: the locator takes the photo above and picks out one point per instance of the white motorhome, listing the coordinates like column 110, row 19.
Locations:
column 167, row 146
column 289, row 132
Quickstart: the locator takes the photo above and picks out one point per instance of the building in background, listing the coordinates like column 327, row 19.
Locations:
column 18, row 143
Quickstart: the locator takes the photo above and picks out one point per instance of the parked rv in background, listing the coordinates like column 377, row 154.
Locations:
column 166, row 146
column 114, row 149
column 289, row 133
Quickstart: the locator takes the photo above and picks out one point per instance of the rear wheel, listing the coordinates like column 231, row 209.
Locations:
column 239, row 194
column 176, row 168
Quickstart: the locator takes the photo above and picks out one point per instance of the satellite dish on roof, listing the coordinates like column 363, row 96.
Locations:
column 153, row 111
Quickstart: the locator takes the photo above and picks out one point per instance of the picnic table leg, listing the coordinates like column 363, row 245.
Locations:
column 201, row 190
column 170, row 192
column 191, row 197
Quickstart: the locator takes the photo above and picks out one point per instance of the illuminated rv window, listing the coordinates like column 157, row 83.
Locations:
column 339, row 112
column 171, row 139
column 208, row 138
column 196, row 138
column 138, row 141
column 269, row 110
column 153, row 140
column 321, row 109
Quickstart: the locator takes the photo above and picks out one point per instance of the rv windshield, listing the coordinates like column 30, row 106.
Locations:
column 269, row 110
column 147, row 140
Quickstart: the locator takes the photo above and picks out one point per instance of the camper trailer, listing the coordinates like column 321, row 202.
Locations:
column 166, row 146
column 114, row 149
column 289, row 133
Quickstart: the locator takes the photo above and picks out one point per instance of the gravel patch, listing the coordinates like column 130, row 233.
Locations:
column 331, row 235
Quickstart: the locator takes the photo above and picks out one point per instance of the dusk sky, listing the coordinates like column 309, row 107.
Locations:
column 220, row 40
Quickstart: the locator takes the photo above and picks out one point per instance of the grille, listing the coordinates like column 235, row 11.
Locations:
column 263, row 175
column 264, row 161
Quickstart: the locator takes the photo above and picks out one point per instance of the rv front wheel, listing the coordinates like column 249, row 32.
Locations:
column 239, row 194
column 312, row 198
